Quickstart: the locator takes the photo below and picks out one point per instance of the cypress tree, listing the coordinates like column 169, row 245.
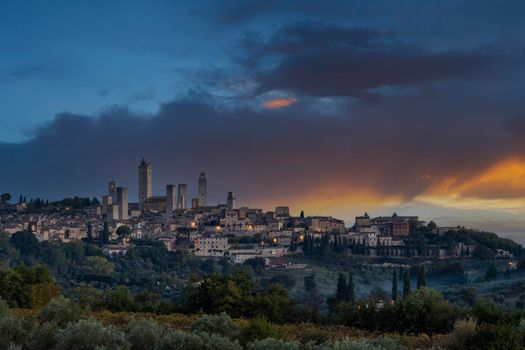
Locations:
column 341, row 292
column 406, row 283
column 293, row 245
column 89, row 237
column 421, row 278
column 394, row 285
column 104, row 234
column 350, row 290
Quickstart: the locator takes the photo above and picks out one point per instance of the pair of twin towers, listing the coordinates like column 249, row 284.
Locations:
column 176, row 198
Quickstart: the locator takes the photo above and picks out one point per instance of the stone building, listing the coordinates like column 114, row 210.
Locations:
column 145, row 182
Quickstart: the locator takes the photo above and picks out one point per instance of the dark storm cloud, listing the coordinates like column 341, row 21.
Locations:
column 319, row 59
column 262, row 155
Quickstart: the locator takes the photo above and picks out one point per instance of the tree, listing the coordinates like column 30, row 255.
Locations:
column 341, row 292
column 104, row 234
column 89, row 334
column 492, row 271
column 350, row 290
column 257, row 264
column 119, row 300
column 293, row 245
column 425, row 310
column 394, row 285
column 95, row 201
column 89, row 236
column 98, row 265
column 309, row 283
column 144, row 333
column 61, row 311
column 284, row 279
column 5, row 197
column 421, row 278
column 41, row 293
column 25, row 242
column 432, row 225
column 123, row 231
column 406, row 283
column 221, row 324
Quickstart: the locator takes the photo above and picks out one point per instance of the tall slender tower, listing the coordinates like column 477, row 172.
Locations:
column 171, row 198
column 182, row 197
column 203, row 190
column 122, row 202
column 145, row 184
column 230, row 201
column 112, row 191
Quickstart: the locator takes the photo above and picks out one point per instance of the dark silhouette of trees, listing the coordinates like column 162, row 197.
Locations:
column 406, row 283
column 421, row 278
column 394, row 285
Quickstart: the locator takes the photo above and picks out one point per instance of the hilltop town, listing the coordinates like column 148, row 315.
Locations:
column 237, row 233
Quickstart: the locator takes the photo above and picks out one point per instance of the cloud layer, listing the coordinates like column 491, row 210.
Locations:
column 334, row 108
column 274, row 156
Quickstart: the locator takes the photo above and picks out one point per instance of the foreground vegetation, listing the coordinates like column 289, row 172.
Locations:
column 262, row 319
column 63, row 324
column 57, row 295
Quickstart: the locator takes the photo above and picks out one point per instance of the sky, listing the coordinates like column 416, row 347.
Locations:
column 333, row 107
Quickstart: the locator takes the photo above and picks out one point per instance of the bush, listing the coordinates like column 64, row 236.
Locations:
column 380, row 343
column 143, row 333
column 42, row 337
column 89, row 334
column 424, row 310
column 273, row 344
column 463, row 334
column 61, row 311
column 196, row 341
column 4, row 308
column 180, row 340
column 495, row 337
column 12, row 330
column 258, row 328
column 216, row 324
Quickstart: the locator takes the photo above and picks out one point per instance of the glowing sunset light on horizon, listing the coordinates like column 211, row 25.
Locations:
column 280, row 102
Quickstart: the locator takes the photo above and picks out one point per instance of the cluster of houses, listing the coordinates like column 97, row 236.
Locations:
column 237, row 233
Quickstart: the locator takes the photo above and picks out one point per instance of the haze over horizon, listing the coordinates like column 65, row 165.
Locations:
column 335, row 108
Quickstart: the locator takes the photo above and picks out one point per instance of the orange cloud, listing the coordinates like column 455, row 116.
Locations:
column 279, row 102
column 339, row 200
column 500, row 186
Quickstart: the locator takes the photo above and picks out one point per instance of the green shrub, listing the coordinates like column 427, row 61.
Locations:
column 273, row 344
column 259, row 328
column 42, row 337
column 61, row 311
column 12, row 330
column 216, row 324
column 463, row 334
column 495, row 337
column 89, row 334
column 143, row 334
column 4, row 308
column 196, row 341
column 381, row 343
